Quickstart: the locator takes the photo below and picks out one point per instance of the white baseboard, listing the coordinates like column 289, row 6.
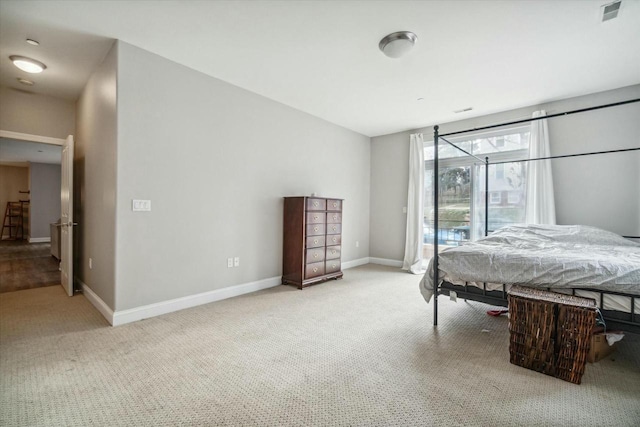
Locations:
column 39, row 239
column 122, row 317
column 355, row 263
column 387, row 262
column 146, row 311
column 97, row 302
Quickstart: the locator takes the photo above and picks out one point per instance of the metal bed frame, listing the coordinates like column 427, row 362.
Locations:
column 619, row 320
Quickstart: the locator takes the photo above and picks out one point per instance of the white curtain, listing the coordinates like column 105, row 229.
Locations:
column 415, row 206
column 539, row 205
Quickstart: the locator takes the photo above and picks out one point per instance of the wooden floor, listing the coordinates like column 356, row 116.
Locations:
column 26, row 265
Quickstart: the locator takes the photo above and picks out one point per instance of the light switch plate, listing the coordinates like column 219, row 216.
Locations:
column 141, row 205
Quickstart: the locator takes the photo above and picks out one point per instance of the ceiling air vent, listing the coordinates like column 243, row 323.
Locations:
column 610, row 11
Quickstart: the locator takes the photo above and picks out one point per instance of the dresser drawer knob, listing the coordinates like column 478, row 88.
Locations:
column 315, row 204
column 333, row 266
column 335, row 239
column 335, row 228
column 315, row 228
column 315, row 269
column 315, row 217
column 335, row 217
column 333, row 252
column 335, row 204
column 315, row 241
column 315, row 255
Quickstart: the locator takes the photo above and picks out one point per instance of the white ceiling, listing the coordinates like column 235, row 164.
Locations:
column 13, row 151
column 322, row 57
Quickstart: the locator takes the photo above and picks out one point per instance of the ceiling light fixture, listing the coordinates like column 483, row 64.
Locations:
column 25, row 81
column 27, row 64
column 397, row 44
column 33, row 42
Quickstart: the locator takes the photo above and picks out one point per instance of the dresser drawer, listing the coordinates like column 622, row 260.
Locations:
column 334, row 239
column 314, row 270
column 315, row 241
column 333, row 252
column 314, row 255
column 334, row 228
column 316, row 204
column 334, row 205
column 315, row 229
column 332, row 266
column 334, row 218
column 316, row 217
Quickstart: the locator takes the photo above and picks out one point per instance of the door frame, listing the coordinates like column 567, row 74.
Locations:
column 42, row 139
column 31, row 138
column 66, row 217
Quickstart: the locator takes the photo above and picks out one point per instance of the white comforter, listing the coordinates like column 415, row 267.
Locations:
column 554, row 256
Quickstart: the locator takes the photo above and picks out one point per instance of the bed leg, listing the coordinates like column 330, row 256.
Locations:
column 435, row 309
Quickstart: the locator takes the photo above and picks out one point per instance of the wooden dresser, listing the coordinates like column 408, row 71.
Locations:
column 312, row 240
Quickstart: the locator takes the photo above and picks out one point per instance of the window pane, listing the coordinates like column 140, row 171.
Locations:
column 454, row 208
column 510, row 187
column 462, row 208
column 446, row 151
column 517, row 139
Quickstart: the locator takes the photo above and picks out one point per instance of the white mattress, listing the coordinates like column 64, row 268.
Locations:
column 557, row 257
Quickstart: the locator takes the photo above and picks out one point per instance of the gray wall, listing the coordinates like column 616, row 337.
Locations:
column 215, row 161
column 389, row 182
column 95, row 180
column 45, row 198
column 602, row 191
column 24, row 112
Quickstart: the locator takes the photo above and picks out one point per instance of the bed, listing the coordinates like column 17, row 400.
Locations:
column 578, row 260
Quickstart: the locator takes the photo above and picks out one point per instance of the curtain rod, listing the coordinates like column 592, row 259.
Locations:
column 582, row 110
column 562, row 156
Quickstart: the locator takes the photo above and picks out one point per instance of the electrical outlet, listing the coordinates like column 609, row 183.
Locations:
column 229, row 262
column 236, row 261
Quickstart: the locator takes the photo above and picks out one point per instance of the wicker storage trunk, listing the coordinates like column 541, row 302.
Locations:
column 550, row 332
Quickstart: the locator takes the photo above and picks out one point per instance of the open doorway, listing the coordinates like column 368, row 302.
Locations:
column 30, row 173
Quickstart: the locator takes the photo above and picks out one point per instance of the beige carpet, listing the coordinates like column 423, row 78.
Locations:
column 356, row 352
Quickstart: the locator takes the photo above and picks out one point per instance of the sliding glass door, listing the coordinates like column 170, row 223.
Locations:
column 461, row 187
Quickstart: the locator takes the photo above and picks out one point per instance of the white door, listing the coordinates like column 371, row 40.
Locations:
column 66, row 217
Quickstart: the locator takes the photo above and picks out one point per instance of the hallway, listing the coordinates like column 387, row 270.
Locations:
column 26, row 265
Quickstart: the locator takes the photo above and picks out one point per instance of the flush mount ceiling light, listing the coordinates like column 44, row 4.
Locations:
column 397, row 44
column 27, row 64
column 33, row 42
